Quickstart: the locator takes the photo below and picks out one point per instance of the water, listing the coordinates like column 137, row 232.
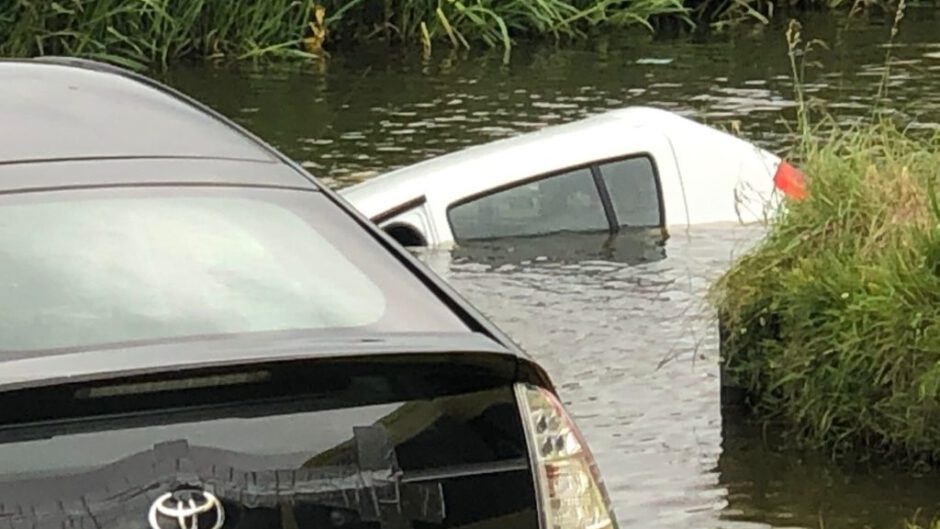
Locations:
column 621, row 326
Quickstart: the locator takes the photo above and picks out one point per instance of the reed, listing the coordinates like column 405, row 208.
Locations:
column 915, row 525
column 139, row 33
column 496, row 23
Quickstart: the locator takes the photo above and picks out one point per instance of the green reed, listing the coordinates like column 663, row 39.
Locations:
column 916, row 525
column 496, row 23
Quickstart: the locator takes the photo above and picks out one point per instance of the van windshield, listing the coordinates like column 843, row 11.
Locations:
column 84, row 268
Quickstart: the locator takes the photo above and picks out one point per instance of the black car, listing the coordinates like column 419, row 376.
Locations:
column 196, row 334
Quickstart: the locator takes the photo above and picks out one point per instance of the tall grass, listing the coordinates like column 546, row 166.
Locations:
column 832, row 323
column 155, row 32
column 145, row 32
column 834, row 319
column 915, row 525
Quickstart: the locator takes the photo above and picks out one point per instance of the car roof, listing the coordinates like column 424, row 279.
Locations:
column 54, row 110
column 67, row 110
column 373, row 196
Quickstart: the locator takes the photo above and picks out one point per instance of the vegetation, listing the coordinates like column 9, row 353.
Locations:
column 137, row 33
column 144, row 32
column 494, row 22
column 832, row 323
column 915, row 525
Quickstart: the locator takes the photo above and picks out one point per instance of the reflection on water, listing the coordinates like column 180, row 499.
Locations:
column 787, row 489
column 620, row 324
column 631, row 247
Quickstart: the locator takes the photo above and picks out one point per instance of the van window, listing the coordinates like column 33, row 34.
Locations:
column 634, row 192
column 567, row 202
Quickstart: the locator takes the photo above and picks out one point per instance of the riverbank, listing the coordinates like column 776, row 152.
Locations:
column 833, row 321
column 831, row 324
column 143, row 33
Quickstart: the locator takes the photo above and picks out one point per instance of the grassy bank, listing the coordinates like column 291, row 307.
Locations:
column 833, row 321
column 154, row 32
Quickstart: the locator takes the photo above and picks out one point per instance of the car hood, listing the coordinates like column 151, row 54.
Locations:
column 39, row 369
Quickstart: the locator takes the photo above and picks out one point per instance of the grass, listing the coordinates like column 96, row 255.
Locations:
column 915, row 525
column 147, row 32
column 832, row 323
column 139, row 33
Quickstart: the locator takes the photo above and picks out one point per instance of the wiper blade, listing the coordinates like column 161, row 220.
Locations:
column 373, row 487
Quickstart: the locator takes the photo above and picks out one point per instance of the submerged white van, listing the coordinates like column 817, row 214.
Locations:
column 636, row 167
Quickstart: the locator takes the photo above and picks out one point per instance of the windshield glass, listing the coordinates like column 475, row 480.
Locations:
column 80, row 269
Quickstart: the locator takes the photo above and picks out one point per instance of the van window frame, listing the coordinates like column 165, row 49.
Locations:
column 656, row 180
column 400, row 209
column 613, row 223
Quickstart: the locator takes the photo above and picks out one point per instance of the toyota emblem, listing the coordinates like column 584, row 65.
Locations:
column 187, row 509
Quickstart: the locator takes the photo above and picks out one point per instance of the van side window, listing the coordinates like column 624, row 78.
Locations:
column 634, row 192
column 559, row 203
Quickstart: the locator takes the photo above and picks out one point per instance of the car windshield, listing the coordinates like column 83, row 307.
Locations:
column 84, row 268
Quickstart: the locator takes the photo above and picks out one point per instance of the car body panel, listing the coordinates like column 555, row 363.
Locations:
column 724, row 177
column 705, row 175
column 18, row 371
column 26, row 176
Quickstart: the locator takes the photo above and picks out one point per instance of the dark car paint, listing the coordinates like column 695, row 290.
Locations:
column 147, row 165
column 20, row 371
column 143, row 394
column 54, row 111
column 449, row 430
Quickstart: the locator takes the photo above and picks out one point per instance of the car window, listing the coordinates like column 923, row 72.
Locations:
column 90, row 267
column 634, row 192
column 560, row 203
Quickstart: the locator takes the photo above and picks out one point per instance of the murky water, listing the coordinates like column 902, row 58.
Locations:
column 622, row 326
